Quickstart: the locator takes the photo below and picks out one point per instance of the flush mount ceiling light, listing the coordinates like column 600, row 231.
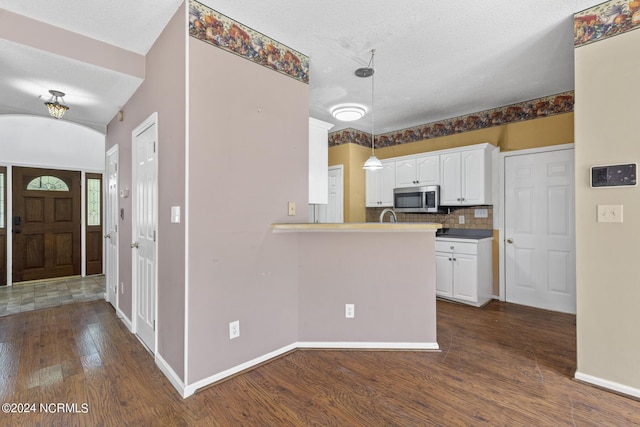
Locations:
column 348, row 112
column 373, row 163
column 56, row 109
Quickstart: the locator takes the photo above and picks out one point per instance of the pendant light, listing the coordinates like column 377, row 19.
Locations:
column 373, row 163
column 56, row 109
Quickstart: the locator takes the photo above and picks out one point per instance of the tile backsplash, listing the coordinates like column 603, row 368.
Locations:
column 448, row 220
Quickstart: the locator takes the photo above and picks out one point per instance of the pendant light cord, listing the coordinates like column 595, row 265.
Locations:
column 373, row 72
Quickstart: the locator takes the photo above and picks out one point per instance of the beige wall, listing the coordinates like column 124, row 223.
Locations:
column 248, row 157
column 608, row 309
column 163, row 91
column 352, row 157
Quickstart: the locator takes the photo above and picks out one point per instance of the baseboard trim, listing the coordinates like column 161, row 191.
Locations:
column 370, row 345
column 192, row 388
column 610, row 385
column 171, row 375
column 124, row 319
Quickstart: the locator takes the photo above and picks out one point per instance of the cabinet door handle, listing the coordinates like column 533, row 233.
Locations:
column 450, row 259
column 454, row 259
column 509, row 240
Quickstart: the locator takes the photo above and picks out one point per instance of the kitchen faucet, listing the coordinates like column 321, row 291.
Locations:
column 393, row 217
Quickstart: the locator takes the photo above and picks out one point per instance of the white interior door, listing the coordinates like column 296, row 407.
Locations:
column 111, row 229
column 539, row 230
column 333, row 211
column 145, row 206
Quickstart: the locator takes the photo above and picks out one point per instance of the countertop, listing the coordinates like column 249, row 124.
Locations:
column 464, row 234
column 359, row 226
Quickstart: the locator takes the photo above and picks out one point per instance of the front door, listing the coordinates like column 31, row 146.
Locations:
column 539, row 230
column 145, row 217
column 111, row 226
column 3, row 226
column 45, row 223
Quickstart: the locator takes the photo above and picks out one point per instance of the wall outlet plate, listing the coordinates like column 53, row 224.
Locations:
column 292, row 208
column 234, row 329
column 349, row 311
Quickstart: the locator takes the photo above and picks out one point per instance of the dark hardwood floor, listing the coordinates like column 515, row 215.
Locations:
column 501, row 365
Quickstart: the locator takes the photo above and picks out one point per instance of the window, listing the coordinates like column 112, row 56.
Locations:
column 47, row 183
column 93, row 201
column 1, row 199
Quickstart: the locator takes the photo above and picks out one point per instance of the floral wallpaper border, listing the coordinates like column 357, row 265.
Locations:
column 605, row 20
column 221, row 31
column 534, row 109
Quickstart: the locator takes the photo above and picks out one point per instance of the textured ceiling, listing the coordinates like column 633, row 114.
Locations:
column 434, row 60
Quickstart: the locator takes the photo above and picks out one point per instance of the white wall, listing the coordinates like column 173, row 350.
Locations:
column 50, row 143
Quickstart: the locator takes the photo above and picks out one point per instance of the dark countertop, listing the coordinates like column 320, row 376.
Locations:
column 464, row 233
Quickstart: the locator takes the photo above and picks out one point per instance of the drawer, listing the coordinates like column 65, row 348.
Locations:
column 457, row 247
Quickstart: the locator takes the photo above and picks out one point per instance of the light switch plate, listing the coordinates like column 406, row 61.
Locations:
column 175, row 214
column 609, row 213
column 481, row 213
column 292, row 208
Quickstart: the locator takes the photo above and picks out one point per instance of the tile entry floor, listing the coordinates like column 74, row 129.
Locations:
column 34, row 295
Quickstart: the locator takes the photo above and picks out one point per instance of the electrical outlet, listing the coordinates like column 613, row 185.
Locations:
column 609, row 213
column 234, row 329
column 461, row 219
column 350, row 311
column 292, row 208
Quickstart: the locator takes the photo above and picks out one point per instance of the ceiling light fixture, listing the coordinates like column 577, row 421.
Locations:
column 56, row 109
column 372, row 163
column 348, row 112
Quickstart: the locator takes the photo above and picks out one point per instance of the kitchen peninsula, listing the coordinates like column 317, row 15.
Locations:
column 387, row 271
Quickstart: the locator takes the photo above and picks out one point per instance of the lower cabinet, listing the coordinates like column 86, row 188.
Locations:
column 464, row 270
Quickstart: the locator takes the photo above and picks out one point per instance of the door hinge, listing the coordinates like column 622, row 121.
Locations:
column 115, row 227
column 154, row 235
column 154, row 146
column 116, row 165
column 154, row 324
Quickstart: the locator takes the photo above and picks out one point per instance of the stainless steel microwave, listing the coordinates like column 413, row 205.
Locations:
column 425, row 199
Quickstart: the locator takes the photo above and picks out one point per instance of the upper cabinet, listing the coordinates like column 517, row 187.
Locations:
column 318, row 161
column 380, row 185
column 416, row 171
column 466, row 175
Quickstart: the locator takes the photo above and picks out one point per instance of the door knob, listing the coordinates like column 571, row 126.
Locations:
column 509, row 240
column 134, row 245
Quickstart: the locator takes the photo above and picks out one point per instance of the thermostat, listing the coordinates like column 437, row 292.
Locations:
column 613, row 175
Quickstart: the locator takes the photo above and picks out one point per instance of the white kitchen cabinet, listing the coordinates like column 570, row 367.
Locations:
column 464, row 270
column 416, row 171
column 318, row 161
column 465, row 177
column 380, row 185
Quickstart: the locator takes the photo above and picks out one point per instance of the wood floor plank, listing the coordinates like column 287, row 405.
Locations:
column 500, row 365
